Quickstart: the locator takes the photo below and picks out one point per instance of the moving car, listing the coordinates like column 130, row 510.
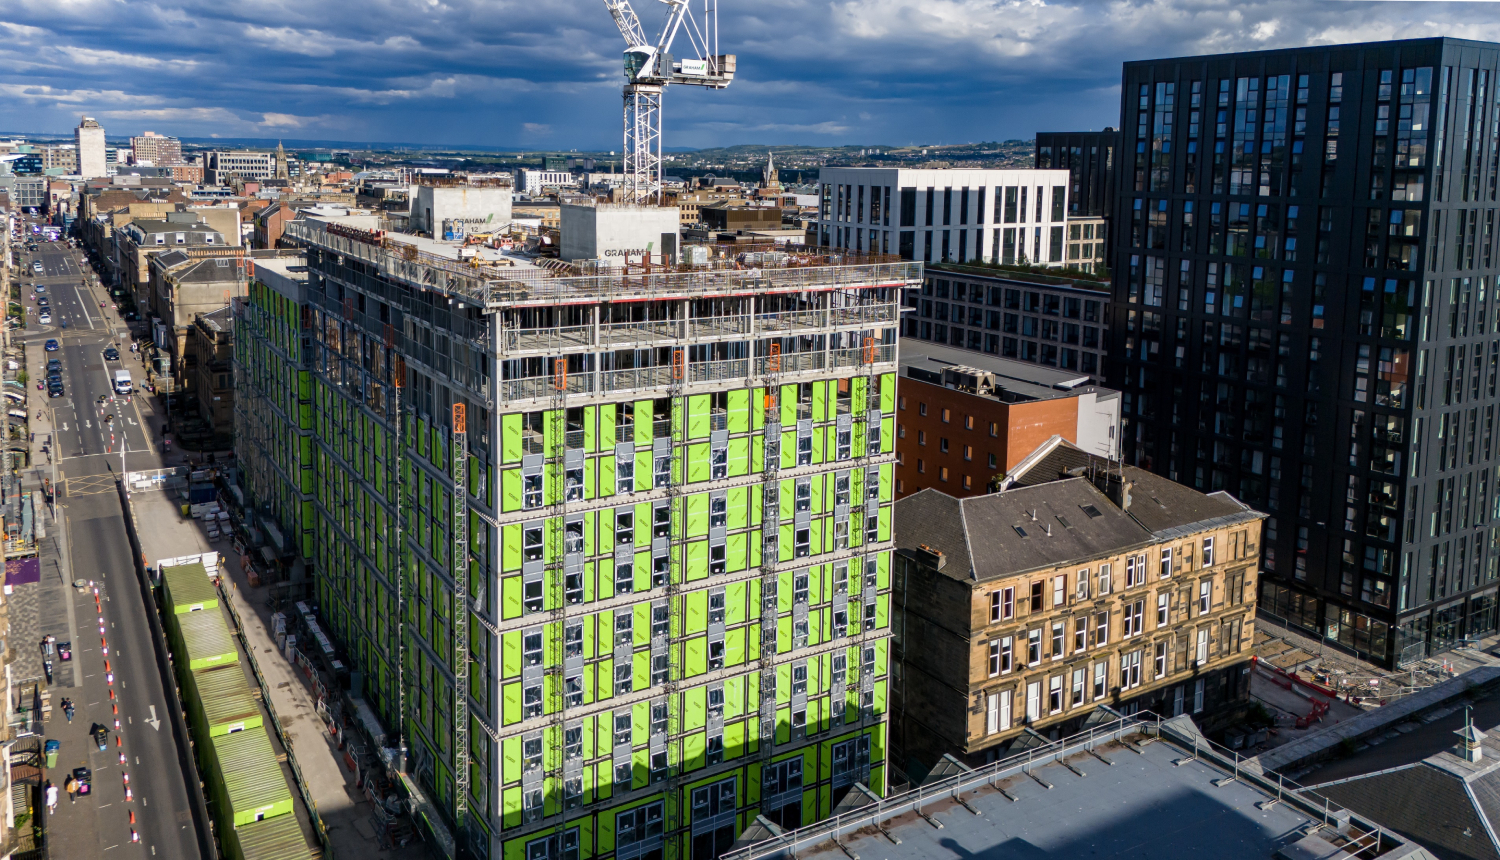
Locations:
column 45, row 319
column 111, row 354
column 51, row 345
column 122, row 382
column 38, row 268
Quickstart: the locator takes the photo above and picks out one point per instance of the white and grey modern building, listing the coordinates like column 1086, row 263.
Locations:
column 218, row 166
column 89, row 138
column 946, row 215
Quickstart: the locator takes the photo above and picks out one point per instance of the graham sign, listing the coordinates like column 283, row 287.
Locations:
column 695, row 67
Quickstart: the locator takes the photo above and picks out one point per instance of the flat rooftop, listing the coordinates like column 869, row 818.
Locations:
column 509, row 279
column 1135, row 789
column 1023, row 379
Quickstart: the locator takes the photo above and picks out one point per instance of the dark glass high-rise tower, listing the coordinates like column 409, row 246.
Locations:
column 1304, row 251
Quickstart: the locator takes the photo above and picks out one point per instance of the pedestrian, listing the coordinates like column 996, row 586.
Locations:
column 51, row 797
column 68, row 709
column 70, row 785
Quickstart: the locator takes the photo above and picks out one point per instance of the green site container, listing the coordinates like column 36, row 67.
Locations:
column 202, row 640
column 279, row 838
column 220, row 701
column 187, row 588
column 248, row 784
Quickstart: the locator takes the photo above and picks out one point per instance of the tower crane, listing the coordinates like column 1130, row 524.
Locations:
column 648, row 70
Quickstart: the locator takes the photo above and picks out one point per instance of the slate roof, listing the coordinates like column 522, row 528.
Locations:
column 1449, row 805
column 1161, row 505
column 1053, row 522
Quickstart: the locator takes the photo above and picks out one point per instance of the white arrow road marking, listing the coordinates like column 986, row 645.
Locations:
column 155, row 723
column 86, row 424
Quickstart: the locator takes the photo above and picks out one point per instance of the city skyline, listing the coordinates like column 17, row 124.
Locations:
column 549, row 78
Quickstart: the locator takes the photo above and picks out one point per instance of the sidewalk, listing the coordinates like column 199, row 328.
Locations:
column 340, row 805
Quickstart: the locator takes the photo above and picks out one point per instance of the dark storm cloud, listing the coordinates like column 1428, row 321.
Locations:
column 547, row 74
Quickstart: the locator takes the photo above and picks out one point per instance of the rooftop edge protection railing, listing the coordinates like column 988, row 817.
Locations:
column 1280, row 790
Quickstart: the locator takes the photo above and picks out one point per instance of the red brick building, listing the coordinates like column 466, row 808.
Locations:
column 964, row 419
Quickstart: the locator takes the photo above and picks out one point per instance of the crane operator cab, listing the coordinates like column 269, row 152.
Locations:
column 639, row 63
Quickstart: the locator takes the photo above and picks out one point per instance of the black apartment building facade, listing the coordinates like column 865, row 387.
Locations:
column 1305, row 316
column 1089, row 157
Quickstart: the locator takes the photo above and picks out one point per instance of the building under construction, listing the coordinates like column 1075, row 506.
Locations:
column 611, row 550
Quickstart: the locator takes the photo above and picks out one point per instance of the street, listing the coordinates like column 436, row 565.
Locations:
column 85, row 445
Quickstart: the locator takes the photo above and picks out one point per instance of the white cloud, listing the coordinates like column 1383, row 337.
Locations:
column 468, row 71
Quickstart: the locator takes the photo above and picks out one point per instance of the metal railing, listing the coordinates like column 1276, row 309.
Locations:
column 654, row 332
column 494, row 285
column 638, row 378
column 1277, row 788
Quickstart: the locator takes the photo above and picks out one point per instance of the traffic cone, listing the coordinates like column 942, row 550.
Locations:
column 134, row 837
column 132, row 816
column 111, row 695
column 109, row 677
column 117, row 724
column 128, row 795
column 126, row 776
column 122, row 756
column 106, row 666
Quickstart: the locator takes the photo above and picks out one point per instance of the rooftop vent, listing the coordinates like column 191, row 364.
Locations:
column 970, row 379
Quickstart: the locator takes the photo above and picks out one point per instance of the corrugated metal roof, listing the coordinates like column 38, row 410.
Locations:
column 187, row 586
column 205, row 639
column 224, row 696
column 279, row 838
column 251, row 777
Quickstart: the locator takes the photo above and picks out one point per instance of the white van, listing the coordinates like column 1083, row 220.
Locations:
column 122, row 382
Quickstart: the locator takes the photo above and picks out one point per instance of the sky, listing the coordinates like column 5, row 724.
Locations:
column 547, row 75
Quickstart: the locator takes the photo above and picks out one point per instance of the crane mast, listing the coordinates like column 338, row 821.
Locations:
column 648, row 70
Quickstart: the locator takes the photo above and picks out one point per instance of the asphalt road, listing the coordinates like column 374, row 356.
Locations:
column 87, row 456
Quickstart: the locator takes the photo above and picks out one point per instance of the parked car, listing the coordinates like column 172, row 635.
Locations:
column 55, row 389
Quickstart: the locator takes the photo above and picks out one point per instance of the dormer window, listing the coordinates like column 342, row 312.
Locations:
column 160, row 239
column 208, row 239
column 182, row 238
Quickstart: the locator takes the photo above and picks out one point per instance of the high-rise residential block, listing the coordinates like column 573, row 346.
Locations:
column 155, row 149
column 612, row 551
column 1089, row 157
column 946, row 215
column 1306, row 316
column 273, row 421
column 89, row 138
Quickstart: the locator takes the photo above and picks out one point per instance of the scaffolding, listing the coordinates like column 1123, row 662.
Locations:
column 459, row 451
